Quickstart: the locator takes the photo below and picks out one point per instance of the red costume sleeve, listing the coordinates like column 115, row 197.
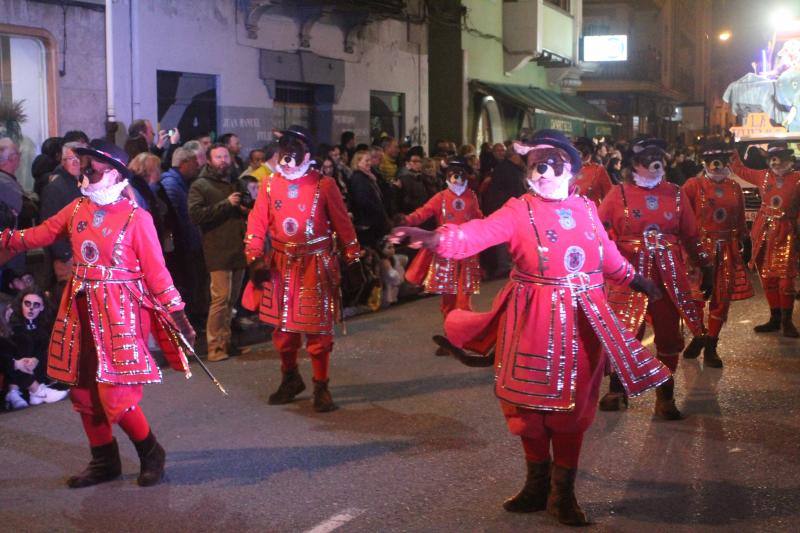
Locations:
column 144, row 242
column 258, row 224
column 689, row 192
column 615, row 267
column 426, row 211
column 340, row 220
column 742, row 221
column 45, row 234
column 603, row 182
column 465, row 240
column 747, row 174
column 478, row 212
column 689, row 235
column 611, row 204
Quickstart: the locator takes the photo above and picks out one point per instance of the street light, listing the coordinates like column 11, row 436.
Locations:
column 724, row 35
column 782, row 18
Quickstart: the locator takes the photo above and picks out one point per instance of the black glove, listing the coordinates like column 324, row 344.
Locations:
column 707, row 285
column 416, row 238
column 646, row 286
column 186, row 329
column 259, row 271
column 746, row 248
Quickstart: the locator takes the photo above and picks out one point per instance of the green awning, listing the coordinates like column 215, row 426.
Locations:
column 564, row 112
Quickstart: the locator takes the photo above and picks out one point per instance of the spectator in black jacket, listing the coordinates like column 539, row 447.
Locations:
column 414, row 191
column 63, row 188
column 44, row 163
column 369, row 215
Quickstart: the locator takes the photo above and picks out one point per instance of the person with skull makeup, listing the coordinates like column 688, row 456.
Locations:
column 27, row 368
column 774, row 233
column 120, row 292
column 550, row 329
column 456, row 280
column 593, row 180
column 301, row 218
column 652, row 227
column 718, row 204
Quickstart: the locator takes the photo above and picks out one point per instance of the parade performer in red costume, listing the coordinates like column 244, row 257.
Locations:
column 455, row 280
column 651, row 223
column 120, row 292
column 593, row 180
column 551, row 325
column 298, row 221
column 718, row 204
column 774, row 233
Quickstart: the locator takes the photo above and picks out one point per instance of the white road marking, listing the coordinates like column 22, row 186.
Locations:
column 337, row 521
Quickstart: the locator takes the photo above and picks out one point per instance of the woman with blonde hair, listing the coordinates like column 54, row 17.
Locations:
column 146, row 170
column 366, row 202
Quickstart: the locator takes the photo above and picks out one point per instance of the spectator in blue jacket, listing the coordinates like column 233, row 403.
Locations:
column 184, row 256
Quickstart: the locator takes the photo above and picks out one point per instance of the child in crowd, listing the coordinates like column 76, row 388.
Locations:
column 31, row 321
column 393, row 271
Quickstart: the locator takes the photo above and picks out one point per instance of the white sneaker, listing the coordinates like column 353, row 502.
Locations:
column 45, row 394
column 14, row 400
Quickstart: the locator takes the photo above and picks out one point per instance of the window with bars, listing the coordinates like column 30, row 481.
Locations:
column 293, row 104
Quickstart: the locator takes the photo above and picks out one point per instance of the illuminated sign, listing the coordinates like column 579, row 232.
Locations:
column 605, row 48
column 756, row 124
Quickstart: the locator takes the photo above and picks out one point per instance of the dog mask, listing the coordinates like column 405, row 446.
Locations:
column 293, row 157
column 549, row 170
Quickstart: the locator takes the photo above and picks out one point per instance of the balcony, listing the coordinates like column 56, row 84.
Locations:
column 535, row 31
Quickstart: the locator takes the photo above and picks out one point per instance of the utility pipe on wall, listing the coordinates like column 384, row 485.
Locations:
column 111, row 114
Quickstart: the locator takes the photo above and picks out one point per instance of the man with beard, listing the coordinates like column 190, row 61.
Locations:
column 718, row 204
column 300, row 215
column 216, row 206
column 455, row 279
column 120, row 291
column 651, row 224
column 551, row 324
column 774, row 233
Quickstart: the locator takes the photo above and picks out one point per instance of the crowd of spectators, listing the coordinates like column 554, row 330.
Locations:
column 200, row 193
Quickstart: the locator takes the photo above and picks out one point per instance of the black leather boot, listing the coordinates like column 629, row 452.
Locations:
column 152, row 458
column 615, row 399
column 773, row 324
column 788, row 326
column 695, row 347
column 533, row 496
column 291, row 385
column 710, row 357
column 104, row 466
column 665, row 401
column 323, row 401
column 561, row 501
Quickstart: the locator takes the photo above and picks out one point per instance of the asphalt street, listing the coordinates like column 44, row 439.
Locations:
column 419, row 444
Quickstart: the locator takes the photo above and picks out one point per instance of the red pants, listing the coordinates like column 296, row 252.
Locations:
column 103, row 404
column 564, row 429
column 779, row 292
column 319, row 347
column 455, row 301
column 717, row 315
column 666, row 322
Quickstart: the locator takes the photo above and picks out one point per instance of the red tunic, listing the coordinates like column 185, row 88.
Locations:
column 302, row 222
column 593, row 182
column 119, row 265
column 719, row 211
column 440, row 275
column 650, row 226
column 562, row 255
column 774, row 233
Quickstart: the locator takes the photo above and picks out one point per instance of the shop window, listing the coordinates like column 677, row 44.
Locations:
column 490, row 123
column 293, row 104
column 386, row 114
column 25, row 80
column 561, row 4
column 187, row 101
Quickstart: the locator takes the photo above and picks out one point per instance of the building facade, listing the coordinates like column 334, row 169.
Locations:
column 501, row 68
column 217, row 66
column 663, row 88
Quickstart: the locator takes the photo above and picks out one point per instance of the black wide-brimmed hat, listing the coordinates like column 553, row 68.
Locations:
column 457, row 162
column 640, row 144
column 559, row 140
column 716, row 148
column 107, row 152
column 301, row 133
column 779, row 149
